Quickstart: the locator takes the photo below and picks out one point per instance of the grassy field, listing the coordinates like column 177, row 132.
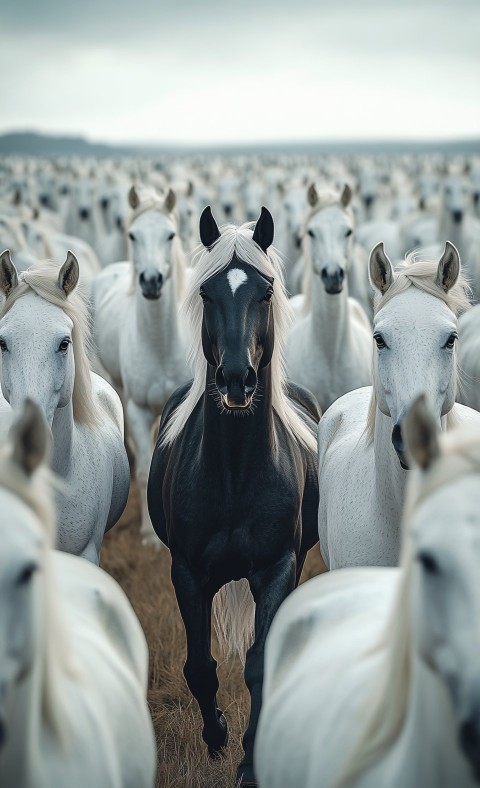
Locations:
column 144, row 574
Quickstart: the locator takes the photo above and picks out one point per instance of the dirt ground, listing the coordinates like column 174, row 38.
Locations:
column 144, row 574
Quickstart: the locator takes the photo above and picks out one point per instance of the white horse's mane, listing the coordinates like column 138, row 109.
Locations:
column 327, row 197
column 151, row 200
column 388, row 699
column 42, row 279
column 208, row 263
column 421, row 274
column 36, row 493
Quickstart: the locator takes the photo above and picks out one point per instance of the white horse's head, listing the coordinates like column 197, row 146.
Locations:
column 84, row 198
column 457, row 197
column 186, row 211
column 42, row 336
column 415, row 332
column 444, row 546
column 428, row 189
column 26, row 531
column 152, row 231
column 228, row 195
column 295, row 206
column 329, row 231
column 253, row 198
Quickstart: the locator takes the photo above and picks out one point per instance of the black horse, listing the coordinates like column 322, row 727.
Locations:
column 235, row 497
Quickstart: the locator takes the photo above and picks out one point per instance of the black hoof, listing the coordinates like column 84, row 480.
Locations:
column 216, row 750
column 246, row 776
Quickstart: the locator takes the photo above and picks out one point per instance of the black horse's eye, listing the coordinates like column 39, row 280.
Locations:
column 268, row 295
column 131, row 236
column 3, row 346
column 26, row 574
column 63, row 346
column 311, row 233
column 348, row 233
column 380, row 342
column 450, row 341
column 428, row 562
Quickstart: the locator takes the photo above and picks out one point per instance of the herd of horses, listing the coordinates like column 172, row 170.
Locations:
column 308, row 377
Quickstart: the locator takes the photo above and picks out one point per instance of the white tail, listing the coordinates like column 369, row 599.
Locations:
column 234, row 618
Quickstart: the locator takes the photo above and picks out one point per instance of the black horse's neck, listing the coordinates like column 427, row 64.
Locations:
column 235, row 438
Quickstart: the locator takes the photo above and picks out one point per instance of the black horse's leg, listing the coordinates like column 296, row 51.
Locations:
column 200, row 668
column 269, row 588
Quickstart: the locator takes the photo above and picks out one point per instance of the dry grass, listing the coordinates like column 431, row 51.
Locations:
column 144, row 574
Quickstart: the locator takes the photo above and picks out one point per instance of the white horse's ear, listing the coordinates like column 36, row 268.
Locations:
column 8, row 273
column 69, row 274
column 133, row 198
column 421, row 434
column 448, row 267
column 30, row 438
column 380, row 269
column 312, row 195
column 170, row 201
column 346, row 197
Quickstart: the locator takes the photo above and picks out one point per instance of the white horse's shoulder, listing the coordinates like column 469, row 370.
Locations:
column 359, row 317
column 90, row 593
column 348, row 414
column 465, row 415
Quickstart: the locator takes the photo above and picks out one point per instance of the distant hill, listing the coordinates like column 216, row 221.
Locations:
column 29, row 143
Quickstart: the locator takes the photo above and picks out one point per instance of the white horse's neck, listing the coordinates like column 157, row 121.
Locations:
column 330, row 323
column 157, row 320
column 63, row 428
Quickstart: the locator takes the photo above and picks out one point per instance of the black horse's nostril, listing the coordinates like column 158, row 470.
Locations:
column 250, row 381
column 457, row 216
column 397, row 439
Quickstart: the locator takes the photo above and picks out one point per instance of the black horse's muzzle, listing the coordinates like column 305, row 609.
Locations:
column 333, row 282
column 151, row 285
column 399, row 446
column 236, row 385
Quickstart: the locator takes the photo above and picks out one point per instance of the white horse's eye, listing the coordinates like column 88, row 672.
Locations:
column 131, row 236
column 311, row 233
column 450, row 341
column 63, row 347
column 3, row 346
column 428, row 562
column 171, row 237
column 26, row 574
column 379, row 340
column 348, row 233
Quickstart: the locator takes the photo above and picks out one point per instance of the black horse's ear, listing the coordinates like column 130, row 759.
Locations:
column 209, row 232
column 264, row 230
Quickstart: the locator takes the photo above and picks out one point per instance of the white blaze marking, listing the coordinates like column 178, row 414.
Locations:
column 236, row 277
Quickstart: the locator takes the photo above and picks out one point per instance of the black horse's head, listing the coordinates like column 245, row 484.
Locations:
column 237, row 328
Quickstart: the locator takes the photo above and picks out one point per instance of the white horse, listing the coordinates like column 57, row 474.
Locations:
column 362, row 464
column 329, row 348
column 469, row 332
column 43, row 333
column 73, row 657
column 137, row 330
column 372, row 676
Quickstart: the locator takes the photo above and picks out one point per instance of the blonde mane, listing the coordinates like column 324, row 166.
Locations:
column 42, row 279
column 208, row 263
column 388, row 699
column 153, row 201
column 421, row 274
column 36, row 493
column 327, row 197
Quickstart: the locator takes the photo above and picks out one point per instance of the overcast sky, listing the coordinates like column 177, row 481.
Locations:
column 207, row 71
